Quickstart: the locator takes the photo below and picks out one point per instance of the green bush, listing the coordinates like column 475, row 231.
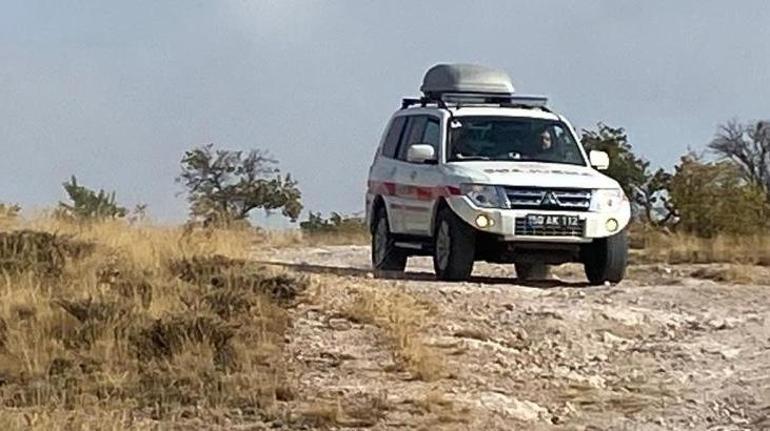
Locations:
column 336, row 223
column 714, row 198
column 88, row 204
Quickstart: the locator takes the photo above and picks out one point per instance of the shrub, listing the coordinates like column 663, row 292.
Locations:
column 9, row 213
column 712, row 198
column 336, row 223
column 9, row 210
column 336, row 229
column 88, row 204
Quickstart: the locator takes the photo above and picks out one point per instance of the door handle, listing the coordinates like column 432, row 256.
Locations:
column 413, row 175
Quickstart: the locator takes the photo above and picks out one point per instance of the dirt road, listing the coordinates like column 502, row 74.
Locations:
column 669, row 348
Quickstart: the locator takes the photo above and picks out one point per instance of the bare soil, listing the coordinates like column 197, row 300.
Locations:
column 671, row 347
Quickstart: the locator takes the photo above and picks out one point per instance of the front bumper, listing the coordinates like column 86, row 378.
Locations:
column 503, row 221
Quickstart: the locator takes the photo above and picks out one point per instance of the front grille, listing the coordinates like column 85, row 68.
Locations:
column 523, row 228
column 547, row 198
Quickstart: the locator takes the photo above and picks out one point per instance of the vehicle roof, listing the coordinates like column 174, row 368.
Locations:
column 482, row 111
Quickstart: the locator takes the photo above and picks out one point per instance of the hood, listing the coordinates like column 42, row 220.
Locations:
column 529, row 174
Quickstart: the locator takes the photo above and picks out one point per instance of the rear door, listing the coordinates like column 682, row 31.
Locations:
column 382, row 176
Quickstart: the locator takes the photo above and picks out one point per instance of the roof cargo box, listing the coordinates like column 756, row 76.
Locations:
column 465, row 78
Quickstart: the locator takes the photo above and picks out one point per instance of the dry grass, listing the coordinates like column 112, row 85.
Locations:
column 358, row 237
column 403, row 318
column 137, row 324
column 364, row 411
column 654, row 246
column 737, row 274
column 298, row 238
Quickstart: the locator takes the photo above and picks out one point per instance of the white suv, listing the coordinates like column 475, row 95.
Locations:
column 472, row 171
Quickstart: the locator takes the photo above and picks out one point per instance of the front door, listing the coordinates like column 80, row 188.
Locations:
column 419, row 183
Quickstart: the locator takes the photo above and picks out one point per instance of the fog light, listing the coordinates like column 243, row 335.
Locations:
column 611, row 225
column 483, row 221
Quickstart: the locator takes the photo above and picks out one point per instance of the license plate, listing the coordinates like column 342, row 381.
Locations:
column 542, row 220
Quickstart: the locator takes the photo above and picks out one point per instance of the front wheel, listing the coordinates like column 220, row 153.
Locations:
column 385, row 255
column 605, row 259
column 454, row 247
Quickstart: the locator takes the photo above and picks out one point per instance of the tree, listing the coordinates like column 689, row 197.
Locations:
column 646, row 190
column 713, row 198
column 748, row 146
column 88, row 204
column 225, row 186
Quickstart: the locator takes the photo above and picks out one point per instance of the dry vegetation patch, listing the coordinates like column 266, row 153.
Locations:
column 146, row 322
column 656, row 246
column 403, row 318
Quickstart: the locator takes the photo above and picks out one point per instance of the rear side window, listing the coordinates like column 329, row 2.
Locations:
column 390, row 146
column 413, row 135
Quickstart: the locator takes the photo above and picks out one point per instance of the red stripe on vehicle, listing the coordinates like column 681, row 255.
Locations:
column 410, row 191
column 425, row 193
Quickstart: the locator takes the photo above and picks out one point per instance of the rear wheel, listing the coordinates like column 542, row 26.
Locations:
column 454, row 247
column 532, row 271
column 605, row 259
column 385, row 255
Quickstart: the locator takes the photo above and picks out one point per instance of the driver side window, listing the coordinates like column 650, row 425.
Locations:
column 432, row 134
column 414, row 134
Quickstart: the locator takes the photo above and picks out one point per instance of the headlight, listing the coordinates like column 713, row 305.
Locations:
column 485, row 196
column 606, row 200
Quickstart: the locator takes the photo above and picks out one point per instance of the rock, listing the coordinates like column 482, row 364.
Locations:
column 526, row 411
column 729, row 353
column 624, row 316
column 723, row 323
column 723, row 351
column 339, row 324
column 610, row 338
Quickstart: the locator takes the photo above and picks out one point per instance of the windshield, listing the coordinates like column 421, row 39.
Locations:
column 512, row 139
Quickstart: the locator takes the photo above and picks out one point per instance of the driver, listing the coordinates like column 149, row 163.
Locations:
column 544, row 141
column 468, row 145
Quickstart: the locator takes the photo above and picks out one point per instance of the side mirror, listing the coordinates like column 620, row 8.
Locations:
column 420, row 153
column 599, row 159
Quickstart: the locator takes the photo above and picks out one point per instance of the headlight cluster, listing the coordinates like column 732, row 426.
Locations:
column 604, row 200
column 485, row 196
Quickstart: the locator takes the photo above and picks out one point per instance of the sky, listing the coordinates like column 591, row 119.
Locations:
column 116, row 91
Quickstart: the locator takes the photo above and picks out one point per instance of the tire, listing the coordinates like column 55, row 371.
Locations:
column 385, row 255
column 532, row 271
column 454, row 247
column 605, row 259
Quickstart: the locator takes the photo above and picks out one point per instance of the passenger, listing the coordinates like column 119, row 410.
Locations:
column 545, row 150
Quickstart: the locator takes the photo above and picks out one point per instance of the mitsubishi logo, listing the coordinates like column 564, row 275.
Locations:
column 549, row 200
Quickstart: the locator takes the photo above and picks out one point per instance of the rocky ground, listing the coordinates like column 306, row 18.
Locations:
column 672, row 347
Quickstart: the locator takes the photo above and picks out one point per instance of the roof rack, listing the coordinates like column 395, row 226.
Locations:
column 471, row 84
column 479, row 99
